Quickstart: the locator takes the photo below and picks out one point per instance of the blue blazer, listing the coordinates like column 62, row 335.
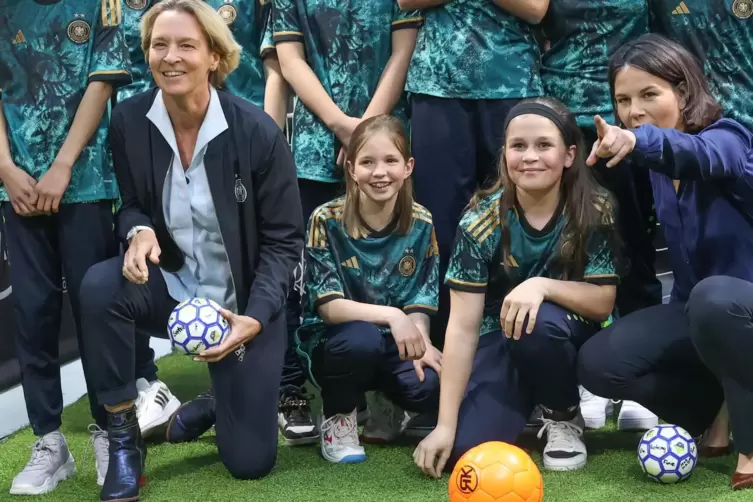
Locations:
column 252, row 179
column 708, row 221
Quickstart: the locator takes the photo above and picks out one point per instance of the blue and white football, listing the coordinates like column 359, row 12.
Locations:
column 196, row 325
column 667, row 453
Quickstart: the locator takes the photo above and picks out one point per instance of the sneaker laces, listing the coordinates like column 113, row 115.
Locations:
column 344, row 429
column 561, row 433
column 41, row 452
column 101, row 448
column 295, row 405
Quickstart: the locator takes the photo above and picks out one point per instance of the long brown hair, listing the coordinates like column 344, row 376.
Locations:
column 588, row 207
column 393, row 128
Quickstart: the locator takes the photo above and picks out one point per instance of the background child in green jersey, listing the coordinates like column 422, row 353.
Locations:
column 720, row 34
column 582, row 35
column 532, row 276
column 370, row 285
column 346, row 61
column 474, row 60
column 60, row 64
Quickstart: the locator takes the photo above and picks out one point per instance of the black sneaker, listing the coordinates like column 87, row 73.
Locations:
column 294, row 419
column 192, row 419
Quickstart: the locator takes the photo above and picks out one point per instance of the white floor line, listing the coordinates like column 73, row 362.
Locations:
column 12, row 404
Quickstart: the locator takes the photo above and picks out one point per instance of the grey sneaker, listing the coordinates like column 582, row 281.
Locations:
column 101, row 446
column 51, row 462
column 565, row 449
column 385, row 421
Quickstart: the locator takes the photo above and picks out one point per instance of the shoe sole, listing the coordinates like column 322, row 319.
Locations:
column 350, row 459
column 170, row 408
column 378, row 439
column 65, row 471
column 142, row 482
column 636, row 424
column 300, row 441
column 561, row 465
column 417, row 433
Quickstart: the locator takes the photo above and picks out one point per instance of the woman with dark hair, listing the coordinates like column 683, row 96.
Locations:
column 720, row 34
column 531, row 277
column 582, row 34
column 702, row 176
column 210, row 209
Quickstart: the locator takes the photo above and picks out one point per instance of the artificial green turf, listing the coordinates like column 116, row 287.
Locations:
column 193, row 472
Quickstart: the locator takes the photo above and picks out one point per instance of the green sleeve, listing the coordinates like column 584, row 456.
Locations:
column 268, row 42
column 109, row 60
column 322, row 282
column 601, row 267
column 286, row 24
column 405, row 19
column 468, row 269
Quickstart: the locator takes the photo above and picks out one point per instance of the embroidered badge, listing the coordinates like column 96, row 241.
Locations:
column 228, row 12
column 743, row 9
column 240, row 191
column 137, row 4
column 79, row 31
column 407, row 265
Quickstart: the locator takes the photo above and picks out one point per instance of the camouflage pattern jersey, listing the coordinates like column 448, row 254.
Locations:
column 475, row 265
column 250, row 22
column 473, row 49
column 583, row 35
column 385, row 268
column 347, row 46
column 720, row 34
column 50, row 54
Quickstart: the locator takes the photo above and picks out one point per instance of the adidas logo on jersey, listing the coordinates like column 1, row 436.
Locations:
column 19, row 38
column 351, row 263
column 681, row 9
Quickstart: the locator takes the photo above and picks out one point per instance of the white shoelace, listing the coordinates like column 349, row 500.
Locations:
column 561, row 435
column 41, row 453
column 100, row 444
column 344, row 429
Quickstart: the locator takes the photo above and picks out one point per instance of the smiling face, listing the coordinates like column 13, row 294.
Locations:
column 379, row 168
column 179, row 54
column 535, row 154
column 643, row 98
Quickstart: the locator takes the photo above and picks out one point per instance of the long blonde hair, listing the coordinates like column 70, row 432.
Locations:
column 393, row 128
column 219, row 37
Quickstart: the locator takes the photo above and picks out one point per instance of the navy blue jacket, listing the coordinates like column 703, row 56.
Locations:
column 253, row 182
column 708, row 222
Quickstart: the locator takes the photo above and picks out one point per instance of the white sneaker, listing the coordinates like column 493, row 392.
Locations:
column 51, row 462
column 565, row 449
column 594, row 409
column 154, row 405
column 339, row 441
column 385, row 421
column 101, row 446
column 634, row 417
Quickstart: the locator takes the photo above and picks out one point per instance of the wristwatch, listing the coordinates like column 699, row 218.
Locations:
column 133, row 231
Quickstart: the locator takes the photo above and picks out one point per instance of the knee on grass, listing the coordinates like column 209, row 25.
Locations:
column 249, row 463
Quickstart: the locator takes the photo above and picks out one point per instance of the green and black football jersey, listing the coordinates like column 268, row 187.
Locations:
column 720, row 34
column 473, row 49
column 250, row 22
column 133, row 10
column 385, row 268
column 475, row 265
column 50, row 53
column 583, row 35
column 347, row 46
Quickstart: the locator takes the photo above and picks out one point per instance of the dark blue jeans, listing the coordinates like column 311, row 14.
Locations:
column 355, row 358
column 509, row 377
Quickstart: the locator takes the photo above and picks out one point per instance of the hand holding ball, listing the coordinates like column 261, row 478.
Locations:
column 196, row 325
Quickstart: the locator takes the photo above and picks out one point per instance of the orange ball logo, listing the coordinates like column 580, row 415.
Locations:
column 496, row 471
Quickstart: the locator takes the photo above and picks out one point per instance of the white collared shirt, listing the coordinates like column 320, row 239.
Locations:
column 190, row 213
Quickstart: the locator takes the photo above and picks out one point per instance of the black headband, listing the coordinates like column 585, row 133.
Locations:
column 544, row 111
